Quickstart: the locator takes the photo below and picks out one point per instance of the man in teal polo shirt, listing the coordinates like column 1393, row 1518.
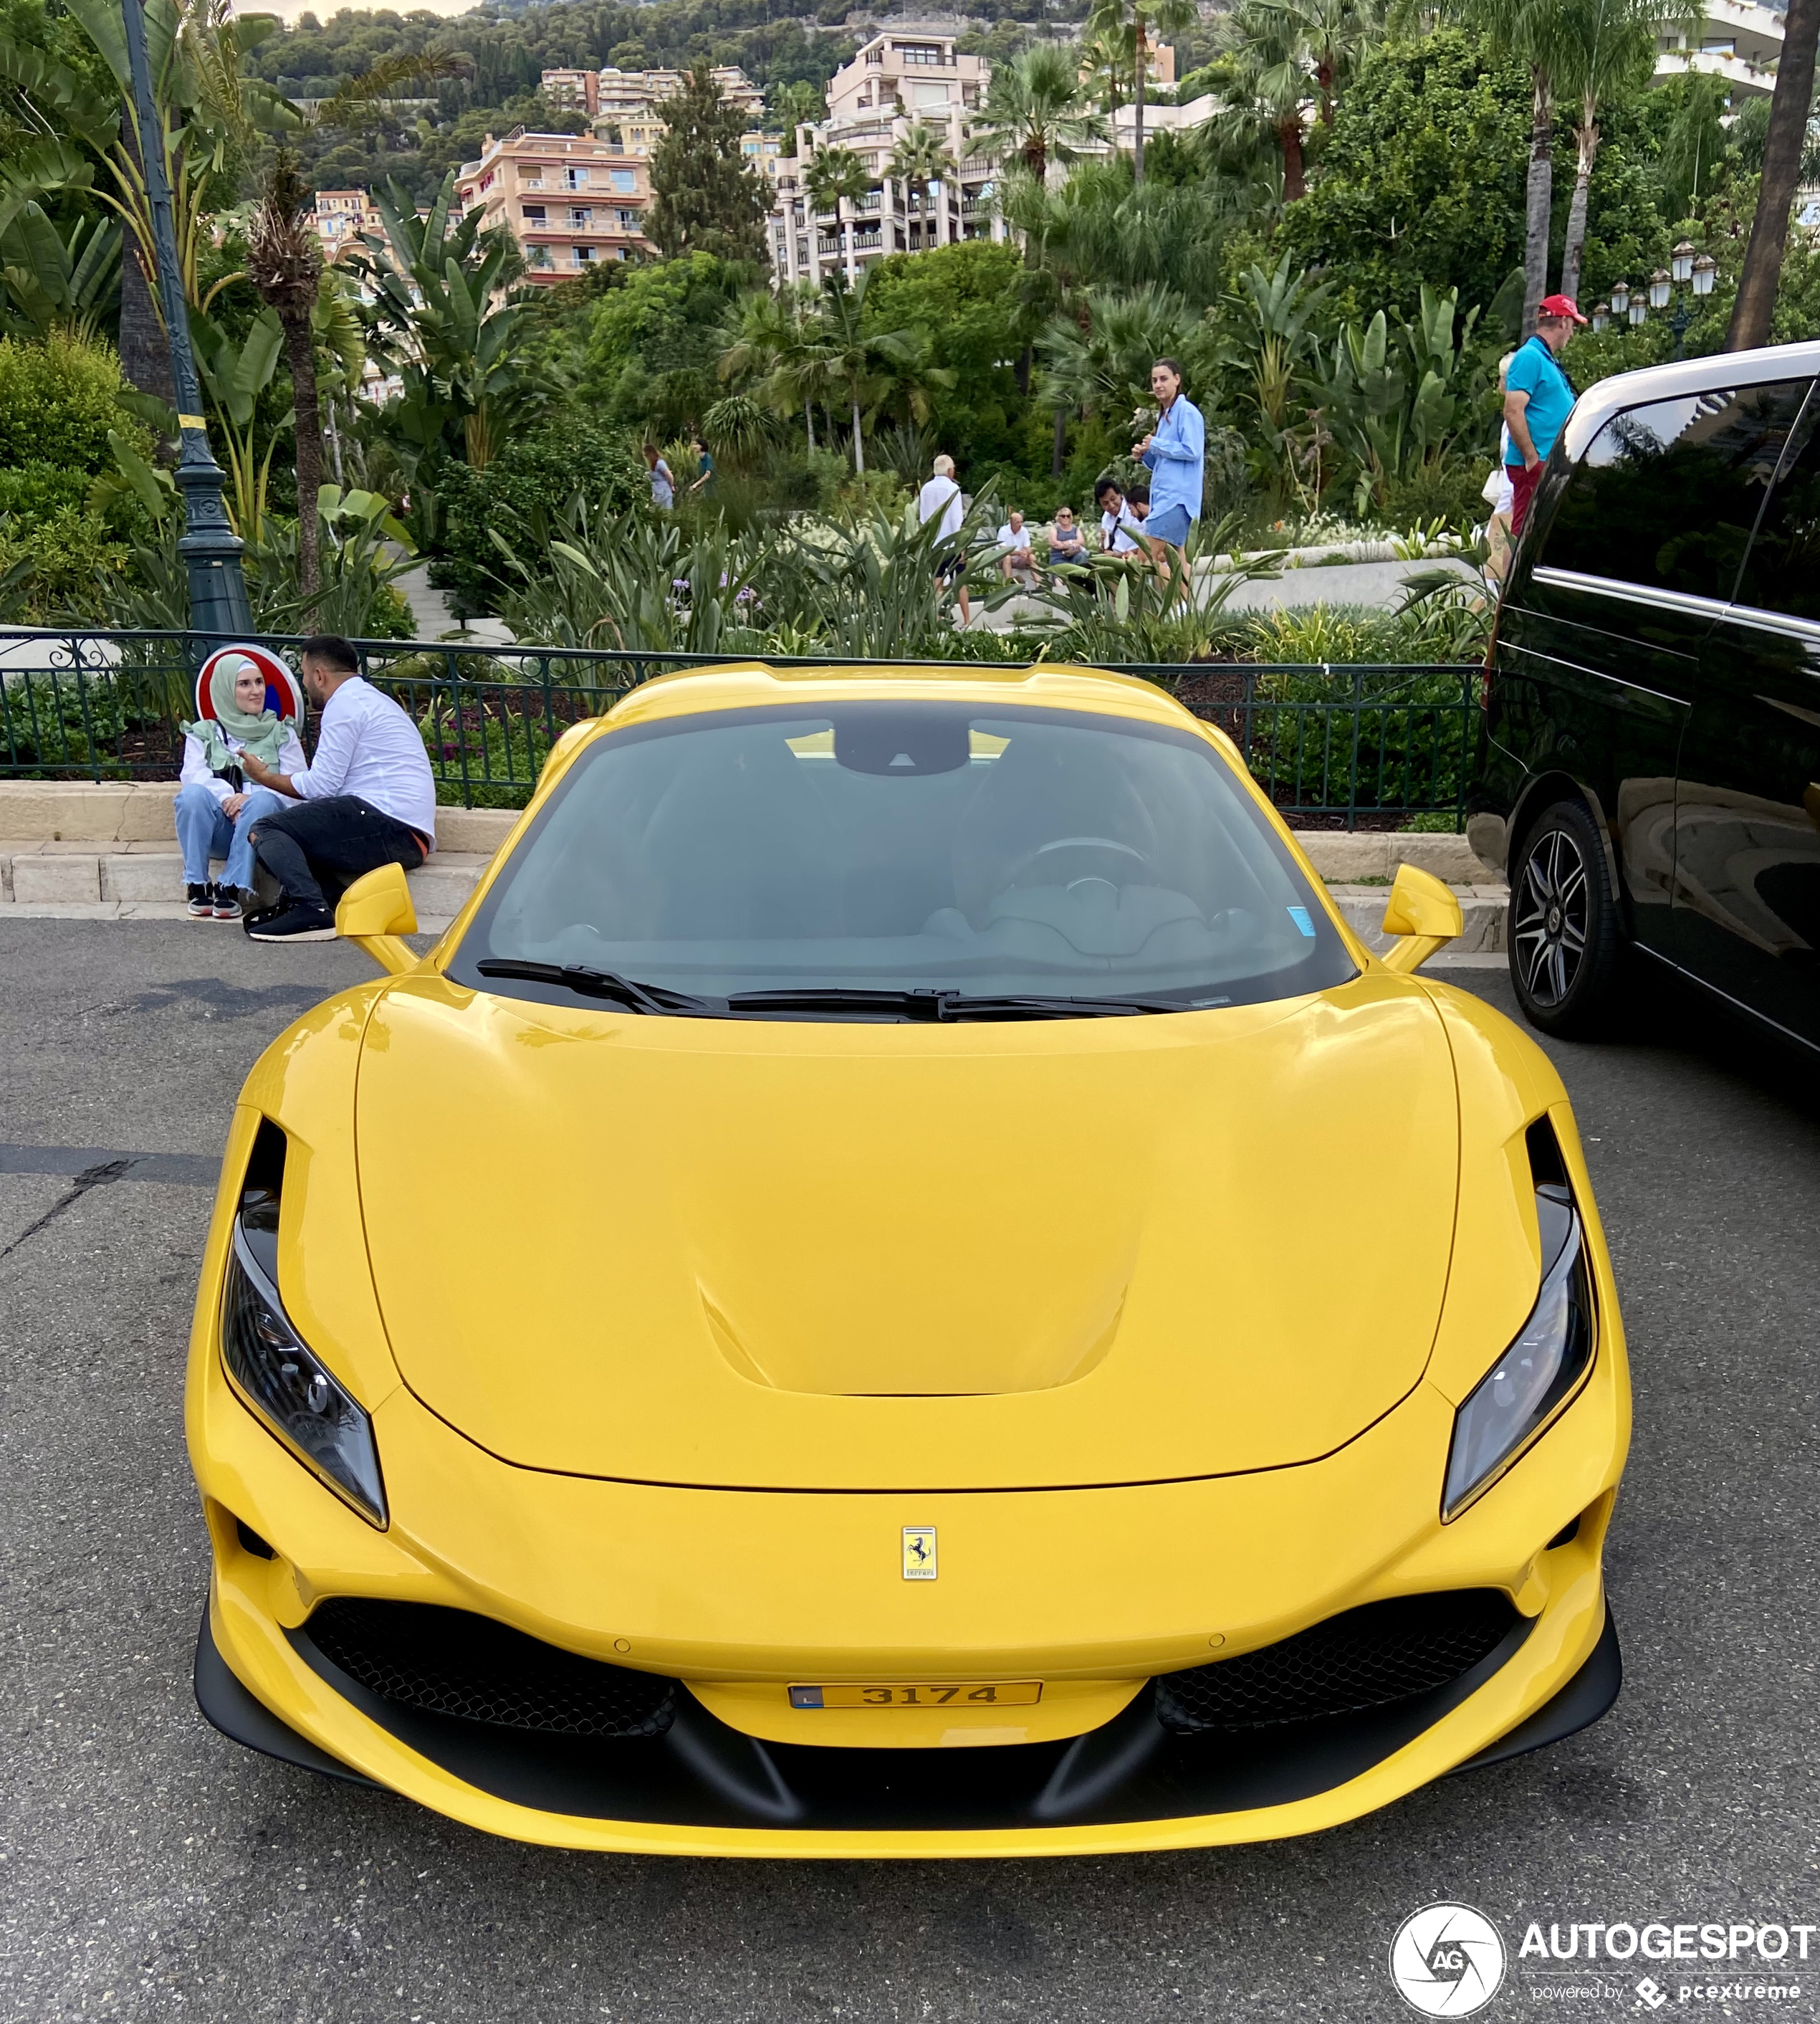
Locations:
column 1538, row 399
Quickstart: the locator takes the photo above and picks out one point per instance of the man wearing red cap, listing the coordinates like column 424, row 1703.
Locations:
column 1538, row 399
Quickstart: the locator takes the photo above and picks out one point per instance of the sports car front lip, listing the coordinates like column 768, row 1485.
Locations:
column 1562, row 1674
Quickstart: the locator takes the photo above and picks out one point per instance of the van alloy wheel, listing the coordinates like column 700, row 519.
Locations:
column 1566, row 934
column 1549, row 918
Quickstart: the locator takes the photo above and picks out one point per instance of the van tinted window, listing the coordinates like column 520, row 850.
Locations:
column 1666, row 495
column 1783, row 571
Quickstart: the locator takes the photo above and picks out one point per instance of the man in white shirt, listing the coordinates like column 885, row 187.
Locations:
column 942, row 495
column 1119, row 525
column 1016, row 566
column 369, row 798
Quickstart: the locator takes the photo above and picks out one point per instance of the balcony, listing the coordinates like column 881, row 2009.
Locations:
column 828, row 245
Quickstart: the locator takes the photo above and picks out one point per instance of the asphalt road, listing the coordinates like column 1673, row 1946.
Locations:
column 151, row 1869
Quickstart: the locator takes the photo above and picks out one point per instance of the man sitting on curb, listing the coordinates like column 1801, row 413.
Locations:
column 369, row 798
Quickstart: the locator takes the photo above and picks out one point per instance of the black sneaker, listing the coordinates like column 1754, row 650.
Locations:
column 224, row 903
column 291, row 922
column 201, row 906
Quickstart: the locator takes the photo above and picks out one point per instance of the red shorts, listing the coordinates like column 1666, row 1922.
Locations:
column 1523, row 483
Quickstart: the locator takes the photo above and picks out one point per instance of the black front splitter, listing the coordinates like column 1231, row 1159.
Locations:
column 704, row 1772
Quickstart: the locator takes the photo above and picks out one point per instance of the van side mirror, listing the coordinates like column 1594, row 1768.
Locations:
column 1424, row 913
column 374, row 911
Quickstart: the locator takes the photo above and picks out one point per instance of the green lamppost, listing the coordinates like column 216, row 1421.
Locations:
column 210, row 548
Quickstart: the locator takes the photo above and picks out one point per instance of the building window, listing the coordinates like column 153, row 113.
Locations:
column 584, row 256
column 575, row 179
column 628, row 220
column 916, row 53
column 625, row 181
column 534, row 215
column 580, row 219
column 537, row 256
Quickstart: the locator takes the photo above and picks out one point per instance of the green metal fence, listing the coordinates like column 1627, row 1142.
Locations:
column 1330, row 743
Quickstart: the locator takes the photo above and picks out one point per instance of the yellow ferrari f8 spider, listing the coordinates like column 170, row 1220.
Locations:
column 900, row 1283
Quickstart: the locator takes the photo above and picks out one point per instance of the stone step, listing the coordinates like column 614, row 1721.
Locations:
column 49, row 875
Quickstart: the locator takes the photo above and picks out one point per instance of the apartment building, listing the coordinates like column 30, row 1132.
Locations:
column 340, row 217
column 900, row 79
column 1735, row 40
column 573, row 90
column 568, row 200
column 611, row 94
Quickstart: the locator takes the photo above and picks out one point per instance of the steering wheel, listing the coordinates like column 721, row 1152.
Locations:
column 1102, row 847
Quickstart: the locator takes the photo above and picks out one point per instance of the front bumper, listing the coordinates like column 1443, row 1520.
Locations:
column 1080, row 1587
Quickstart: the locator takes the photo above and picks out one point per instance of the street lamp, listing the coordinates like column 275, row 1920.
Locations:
column 1681, row 261
column 1621, row 297
column 1697, row 272
column 210, row 548
column 1639, row 312
column 1659, row 289
column 1601, row 317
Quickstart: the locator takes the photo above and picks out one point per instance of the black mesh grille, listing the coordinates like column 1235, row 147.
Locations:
column 457, row 1663
column 1366, row 1659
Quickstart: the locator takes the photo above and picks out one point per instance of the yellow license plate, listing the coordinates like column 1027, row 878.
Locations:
column 994, row 1693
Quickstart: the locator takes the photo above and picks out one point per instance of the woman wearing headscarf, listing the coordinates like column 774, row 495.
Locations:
column 215, row 808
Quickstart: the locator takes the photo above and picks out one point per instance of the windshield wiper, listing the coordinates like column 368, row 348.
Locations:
column 838, row 998
column 941, row 1007
column 961, row 1005
column 588, row 982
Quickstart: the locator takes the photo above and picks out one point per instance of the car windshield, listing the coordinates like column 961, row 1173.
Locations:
column 906, row 847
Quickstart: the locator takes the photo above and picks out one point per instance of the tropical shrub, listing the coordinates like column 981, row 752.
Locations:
column 536, row 474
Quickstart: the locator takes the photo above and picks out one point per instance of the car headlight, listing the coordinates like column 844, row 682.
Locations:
column 1539, row 1368
column 290, row 1389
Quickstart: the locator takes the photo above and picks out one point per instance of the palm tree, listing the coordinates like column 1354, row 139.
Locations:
column 835, row 175
column 765, row 333
column 1606, row 46
column 1533, row 32
column 1143, row 22
column 1783, row 145
column 841, row 353
column 1035, row 110
column 1271, row 76
column 921, row 158
column 284, row 263
column 1334, row 33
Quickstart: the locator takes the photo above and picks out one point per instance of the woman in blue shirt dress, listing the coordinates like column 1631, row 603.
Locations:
column 1175, row 451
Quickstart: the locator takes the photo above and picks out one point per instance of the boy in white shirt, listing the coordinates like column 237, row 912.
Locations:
column 1117, row 523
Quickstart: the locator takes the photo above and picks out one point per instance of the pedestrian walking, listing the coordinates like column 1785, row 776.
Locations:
column 1175, row 453
column 663, row 484
column 1539, row 398
column 942, row 495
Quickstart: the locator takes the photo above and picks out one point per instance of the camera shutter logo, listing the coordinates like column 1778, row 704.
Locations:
column 1447, row 1960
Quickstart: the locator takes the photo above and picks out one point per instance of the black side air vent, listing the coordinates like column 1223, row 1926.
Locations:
column 260, row 1192
column 1546, row 1167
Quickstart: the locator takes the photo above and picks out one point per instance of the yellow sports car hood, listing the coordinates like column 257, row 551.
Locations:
column 856, row 1256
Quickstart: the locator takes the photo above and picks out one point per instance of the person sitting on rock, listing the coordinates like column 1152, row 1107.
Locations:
column 368, row 798
column 215, row 808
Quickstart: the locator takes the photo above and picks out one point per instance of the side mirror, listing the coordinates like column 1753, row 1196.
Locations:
column 374, row 911
column 1424, row 913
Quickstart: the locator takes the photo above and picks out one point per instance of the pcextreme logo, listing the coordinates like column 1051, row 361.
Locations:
column 1447, row 1960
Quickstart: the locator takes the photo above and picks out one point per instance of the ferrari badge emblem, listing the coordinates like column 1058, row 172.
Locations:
column 919, row 1553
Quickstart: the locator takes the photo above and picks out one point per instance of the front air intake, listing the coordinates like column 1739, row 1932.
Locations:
column 451, row 1661
column 1369, row 1658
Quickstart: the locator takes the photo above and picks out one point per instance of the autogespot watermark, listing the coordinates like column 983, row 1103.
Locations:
column 1450, row 1960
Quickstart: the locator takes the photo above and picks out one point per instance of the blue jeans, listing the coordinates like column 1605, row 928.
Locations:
column 203, row 832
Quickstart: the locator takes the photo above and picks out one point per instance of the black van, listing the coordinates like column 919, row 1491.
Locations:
column 1651, row 741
